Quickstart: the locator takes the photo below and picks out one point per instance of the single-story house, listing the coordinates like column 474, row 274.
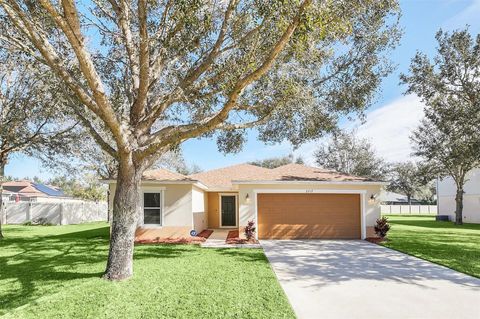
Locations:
column 28, row 191
column 446, row 191
column 291, row 201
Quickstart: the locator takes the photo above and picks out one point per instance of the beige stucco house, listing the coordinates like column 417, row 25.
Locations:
column 291, row 201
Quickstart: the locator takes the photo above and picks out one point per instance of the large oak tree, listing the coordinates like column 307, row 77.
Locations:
column 448, row 138
column 152, row 74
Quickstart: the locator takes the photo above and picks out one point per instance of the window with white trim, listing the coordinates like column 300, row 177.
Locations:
column 152, row 208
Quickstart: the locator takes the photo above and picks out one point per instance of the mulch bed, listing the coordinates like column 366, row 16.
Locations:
column 170, row 240
column 233, row 238
column 205, row 233
column 375, row 240
column 200, row 238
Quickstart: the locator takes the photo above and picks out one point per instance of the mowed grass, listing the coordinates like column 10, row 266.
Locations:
column 54, row 272
column 444, row 243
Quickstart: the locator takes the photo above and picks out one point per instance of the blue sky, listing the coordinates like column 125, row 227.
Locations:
column 389, row 122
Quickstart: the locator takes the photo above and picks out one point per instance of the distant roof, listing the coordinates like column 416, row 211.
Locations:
column 30, row 189
column 50, row 191
column 393, row 197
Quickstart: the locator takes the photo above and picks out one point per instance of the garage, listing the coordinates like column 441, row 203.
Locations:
column 308, row 216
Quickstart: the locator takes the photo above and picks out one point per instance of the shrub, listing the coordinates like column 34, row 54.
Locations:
column 382, row 227
column 41, row 221
column 250, row 230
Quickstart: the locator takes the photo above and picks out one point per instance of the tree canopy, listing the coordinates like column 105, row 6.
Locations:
column 448, row 138
column 348, row 154
column 31, row 112
column 407, row 178
column 274, row 162
column 148, row 75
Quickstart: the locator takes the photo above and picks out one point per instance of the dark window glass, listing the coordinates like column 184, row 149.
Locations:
column 151, row 216
column 151, row 199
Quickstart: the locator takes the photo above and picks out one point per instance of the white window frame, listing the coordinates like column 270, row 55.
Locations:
column 220, row 195
column 361, row 193
column 162, row 207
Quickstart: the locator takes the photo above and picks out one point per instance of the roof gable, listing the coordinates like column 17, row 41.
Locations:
column 223, row 177
column 298, row 172
column 161, row 174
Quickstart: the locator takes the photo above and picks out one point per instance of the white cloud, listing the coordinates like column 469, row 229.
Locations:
column 469, row 15
column 388, row 128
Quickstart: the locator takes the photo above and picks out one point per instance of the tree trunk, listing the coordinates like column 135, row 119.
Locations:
column 459, row 206
column 2, row 175
column 126, row 211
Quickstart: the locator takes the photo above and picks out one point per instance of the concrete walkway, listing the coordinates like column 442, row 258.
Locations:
column 357, row 279
column 217, row 240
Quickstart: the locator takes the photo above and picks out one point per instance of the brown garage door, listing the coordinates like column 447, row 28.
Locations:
column 289, row 216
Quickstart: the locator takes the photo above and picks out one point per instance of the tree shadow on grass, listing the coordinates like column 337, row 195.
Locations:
column 436, row 224
column 31, row 267
column 246, row 254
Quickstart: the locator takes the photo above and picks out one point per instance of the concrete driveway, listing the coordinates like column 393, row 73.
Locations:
column 357, row 279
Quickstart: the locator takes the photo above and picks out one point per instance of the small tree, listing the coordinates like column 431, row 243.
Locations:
column 406, row 178
column 448, row 138
column 348, row 154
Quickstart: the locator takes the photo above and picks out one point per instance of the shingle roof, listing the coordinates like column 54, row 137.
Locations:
column 222, row 177
column 161, row 174
column 298, row 172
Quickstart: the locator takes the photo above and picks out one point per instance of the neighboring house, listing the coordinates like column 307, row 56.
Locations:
column 291, row 201
column 27, row 191
column 391, row 198
column 446, row 191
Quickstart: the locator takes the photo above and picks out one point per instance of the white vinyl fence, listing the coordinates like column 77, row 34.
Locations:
column 409, row 209
column 58, row 213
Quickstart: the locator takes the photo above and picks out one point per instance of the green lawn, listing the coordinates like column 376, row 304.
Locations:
column 444, row 243
column 54, row 272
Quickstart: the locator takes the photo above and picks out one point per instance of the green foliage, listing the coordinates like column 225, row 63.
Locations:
column 382, row 227
column 444, row 243
column 54, row 272
column 332, row 65
column 88, row 188
column 348, row 154
column 33, row 120
column 406, row 178
column 42, row 221
column 448, row 138
column 274, row 162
